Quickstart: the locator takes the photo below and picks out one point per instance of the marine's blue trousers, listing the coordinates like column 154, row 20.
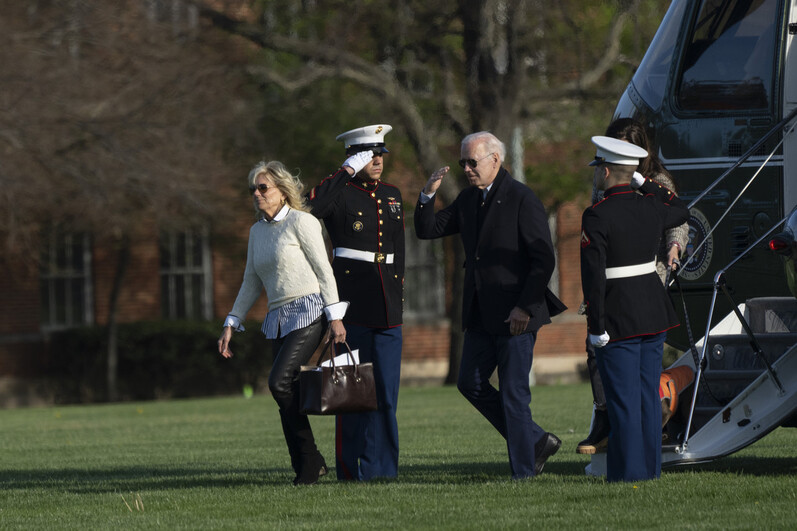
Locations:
column 630, row 370
column 366, row 444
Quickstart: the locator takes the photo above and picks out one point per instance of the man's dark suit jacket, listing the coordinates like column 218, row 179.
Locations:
column 508, row 262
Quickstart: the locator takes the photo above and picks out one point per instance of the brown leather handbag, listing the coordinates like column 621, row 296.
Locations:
column 330, row 390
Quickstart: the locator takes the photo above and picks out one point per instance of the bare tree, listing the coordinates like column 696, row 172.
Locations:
column 112, row 116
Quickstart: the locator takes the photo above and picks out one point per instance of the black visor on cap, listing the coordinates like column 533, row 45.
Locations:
column 351, row 150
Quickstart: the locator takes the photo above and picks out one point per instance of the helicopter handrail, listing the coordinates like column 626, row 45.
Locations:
column 780, row 125
column 746, row 186
column 717, row 286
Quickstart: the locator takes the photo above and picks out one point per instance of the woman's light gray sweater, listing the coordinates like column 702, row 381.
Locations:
column 289, row 259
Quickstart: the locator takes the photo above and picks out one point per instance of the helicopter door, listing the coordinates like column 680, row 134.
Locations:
column 724, row 96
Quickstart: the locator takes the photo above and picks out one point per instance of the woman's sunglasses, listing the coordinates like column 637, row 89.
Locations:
column 262, row 188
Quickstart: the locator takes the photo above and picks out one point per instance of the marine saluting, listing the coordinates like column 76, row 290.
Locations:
column 365, row 221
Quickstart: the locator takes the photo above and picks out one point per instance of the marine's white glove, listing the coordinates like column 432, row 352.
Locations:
column 598, row 341
column 359, row 160
column 637, row 180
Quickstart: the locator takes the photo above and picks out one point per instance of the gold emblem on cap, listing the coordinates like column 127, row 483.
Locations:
column 378, row 130
column 357, row 226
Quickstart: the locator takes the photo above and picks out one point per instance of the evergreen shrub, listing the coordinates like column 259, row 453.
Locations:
column 157, row 360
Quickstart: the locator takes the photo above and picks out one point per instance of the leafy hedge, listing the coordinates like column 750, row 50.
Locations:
column 164, row 359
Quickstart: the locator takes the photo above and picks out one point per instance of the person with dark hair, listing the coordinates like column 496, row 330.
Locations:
column 509, row 259
column 672, row 245
column 628, row 311
column 364, row 218
column 287, row 257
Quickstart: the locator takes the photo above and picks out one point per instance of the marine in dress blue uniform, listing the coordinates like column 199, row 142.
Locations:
column 365, row 221
column 628, row 311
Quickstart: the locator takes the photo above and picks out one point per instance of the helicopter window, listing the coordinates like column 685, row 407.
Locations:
column 650, row 78
column 729, row 61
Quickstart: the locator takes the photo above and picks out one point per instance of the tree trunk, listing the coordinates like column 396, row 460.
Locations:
column 457, row 336
column 111, row 376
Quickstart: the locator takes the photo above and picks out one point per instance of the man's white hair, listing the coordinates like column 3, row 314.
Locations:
column 490, row 141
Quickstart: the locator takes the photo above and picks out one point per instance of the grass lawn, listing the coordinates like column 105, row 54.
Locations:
column 222, row 464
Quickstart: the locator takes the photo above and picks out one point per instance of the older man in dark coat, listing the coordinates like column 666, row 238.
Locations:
column 509, row 261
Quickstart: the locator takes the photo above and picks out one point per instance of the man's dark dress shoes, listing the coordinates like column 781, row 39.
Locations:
column 545, row 448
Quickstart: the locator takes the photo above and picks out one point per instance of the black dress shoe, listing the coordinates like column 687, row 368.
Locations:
column 545, row 448
column 598, row 437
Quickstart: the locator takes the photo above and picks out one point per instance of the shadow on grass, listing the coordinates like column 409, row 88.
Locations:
column 479, row 472
column 750, row 465
column 571, row 468
column 136, row 478
column 122, row 479
column 141, row 478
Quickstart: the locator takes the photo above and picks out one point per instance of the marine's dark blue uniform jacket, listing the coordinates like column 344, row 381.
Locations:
column 508, row 260
column 365, row 216
column 624, row 230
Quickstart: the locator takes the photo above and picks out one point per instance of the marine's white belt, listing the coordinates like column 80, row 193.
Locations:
column 365, row 256
column 630, row 271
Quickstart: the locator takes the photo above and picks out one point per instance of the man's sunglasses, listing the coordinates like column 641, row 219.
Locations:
column 262, row 188
column 472, row 162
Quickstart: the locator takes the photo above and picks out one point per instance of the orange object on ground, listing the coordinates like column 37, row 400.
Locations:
column 672, row 382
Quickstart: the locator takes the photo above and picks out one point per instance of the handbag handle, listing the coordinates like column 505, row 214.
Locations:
column 330, row 349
